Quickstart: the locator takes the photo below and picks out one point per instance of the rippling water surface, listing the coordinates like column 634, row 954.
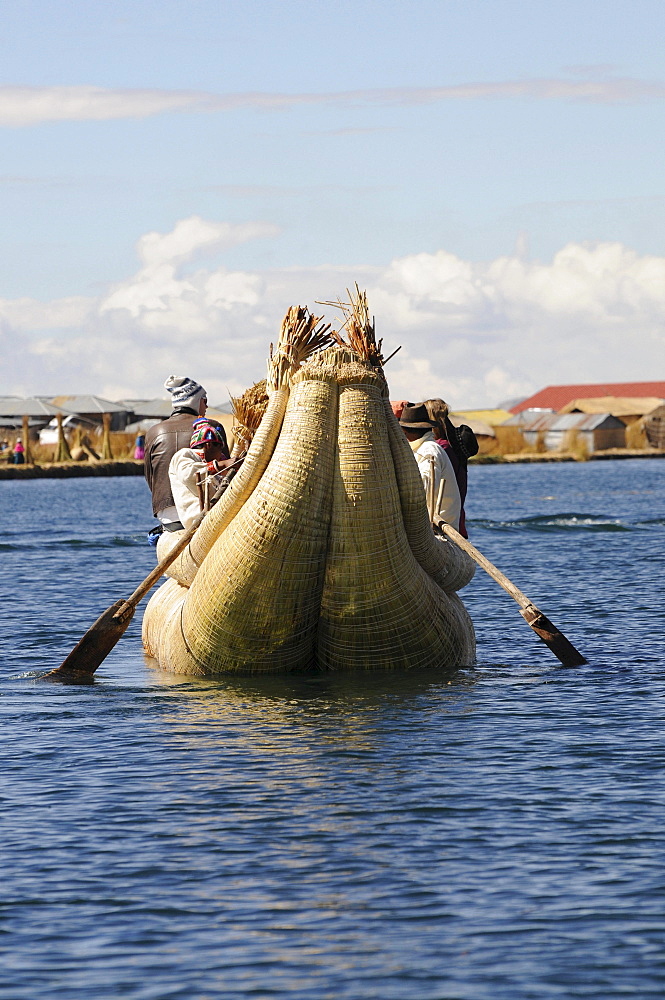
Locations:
column 497, row 833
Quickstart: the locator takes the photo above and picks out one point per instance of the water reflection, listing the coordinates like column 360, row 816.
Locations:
column 349, row 709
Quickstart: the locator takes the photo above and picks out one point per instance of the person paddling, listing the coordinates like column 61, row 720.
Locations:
column 194, row 475
column 418, row 427
column 189, row 401
column 206, row 459
column 459, row 443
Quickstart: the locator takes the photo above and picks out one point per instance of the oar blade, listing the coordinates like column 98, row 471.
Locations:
column 549, row 633
column 562, row 647
column 79, row 667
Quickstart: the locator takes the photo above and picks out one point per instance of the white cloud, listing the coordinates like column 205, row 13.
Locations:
column 157, row 288
column 194, row 237
column 24, row 106
column 33, row 315
column 20, row 106
column 474, row 333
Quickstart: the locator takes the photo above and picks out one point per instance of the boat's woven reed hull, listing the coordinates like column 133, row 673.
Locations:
column 329, row 560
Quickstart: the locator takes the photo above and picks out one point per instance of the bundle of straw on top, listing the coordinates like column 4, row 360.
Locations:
column 248, row 411
column 359, row 327
column 301, row 335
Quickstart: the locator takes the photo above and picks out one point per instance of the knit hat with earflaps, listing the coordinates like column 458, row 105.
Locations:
column 184, row 391
column 204, row 431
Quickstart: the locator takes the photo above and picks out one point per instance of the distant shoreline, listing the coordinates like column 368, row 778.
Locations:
column 550, row 457
column 68, row 470
column 132, row 467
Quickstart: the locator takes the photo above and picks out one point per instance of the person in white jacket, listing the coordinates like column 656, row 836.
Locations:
column 431, row 457
column 189, row 468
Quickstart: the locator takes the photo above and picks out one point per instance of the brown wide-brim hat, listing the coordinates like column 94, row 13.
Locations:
column 416, row 418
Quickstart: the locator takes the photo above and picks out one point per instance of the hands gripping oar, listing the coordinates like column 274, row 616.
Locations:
column 542, row 626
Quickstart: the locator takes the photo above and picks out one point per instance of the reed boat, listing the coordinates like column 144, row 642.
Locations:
column 321, row 553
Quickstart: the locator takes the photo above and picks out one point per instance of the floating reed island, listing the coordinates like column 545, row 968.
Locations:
column 321, row 553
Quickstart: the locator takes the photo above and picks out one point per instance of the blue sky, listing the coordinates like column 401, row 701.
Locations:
column 491, row 171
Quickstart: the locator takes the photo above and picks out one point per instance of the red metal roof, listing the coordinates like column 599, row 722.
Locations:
column 556, row 396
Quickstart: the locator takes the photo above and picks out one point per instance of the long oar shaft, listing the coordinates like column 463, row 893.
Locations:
column 159, row 569
column 562, row 647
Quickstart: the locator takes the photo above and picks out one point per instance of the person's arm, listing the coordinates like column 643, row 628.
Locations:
column 184, row 471
column 147, row 465
column 450, row 506
column 218, row 466
column 427, row 451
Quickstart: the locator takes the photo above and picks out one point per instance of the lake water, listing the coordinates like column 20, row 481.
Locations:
column 497, row 833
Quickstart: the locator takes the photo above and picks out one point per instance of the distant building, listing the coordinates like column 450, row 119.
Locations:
column 630, row 409
column 556, row 397
column 562, row 431
column 37, row 410
column 92, row 409
column 492, row 417
column 145, row 413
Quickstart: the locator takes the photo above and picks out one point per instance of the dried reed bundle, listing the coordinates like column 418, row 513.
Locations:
column 448, row 566
column 379, row 608
column 359, row 326
column 301, row 335
column 254, row 604
column 166, row 541
column 248, row 411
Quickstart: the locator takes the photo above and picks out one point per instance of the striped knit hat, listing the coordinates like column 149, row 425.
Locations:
column 204, row 431
column 184, row 391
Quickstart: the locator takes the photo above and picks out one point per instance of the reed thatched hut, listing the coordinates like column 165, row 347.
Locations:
column 654, row 427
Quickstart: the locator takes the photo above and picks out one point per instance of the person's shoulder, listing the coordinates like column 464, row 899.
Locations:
column 158, row 428
column 180, row 420
column 430, row 448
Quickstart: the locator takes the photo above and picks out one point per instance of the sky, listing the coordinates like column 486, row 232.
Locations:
column 175, row 174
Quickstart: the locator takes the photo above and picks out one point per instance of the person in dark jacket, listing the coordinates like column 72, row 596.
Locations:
column 189, row 402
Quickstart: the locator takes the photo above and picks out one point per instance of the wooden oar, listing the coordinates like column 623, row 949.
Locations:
column 533, row 616
column 99, row 640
